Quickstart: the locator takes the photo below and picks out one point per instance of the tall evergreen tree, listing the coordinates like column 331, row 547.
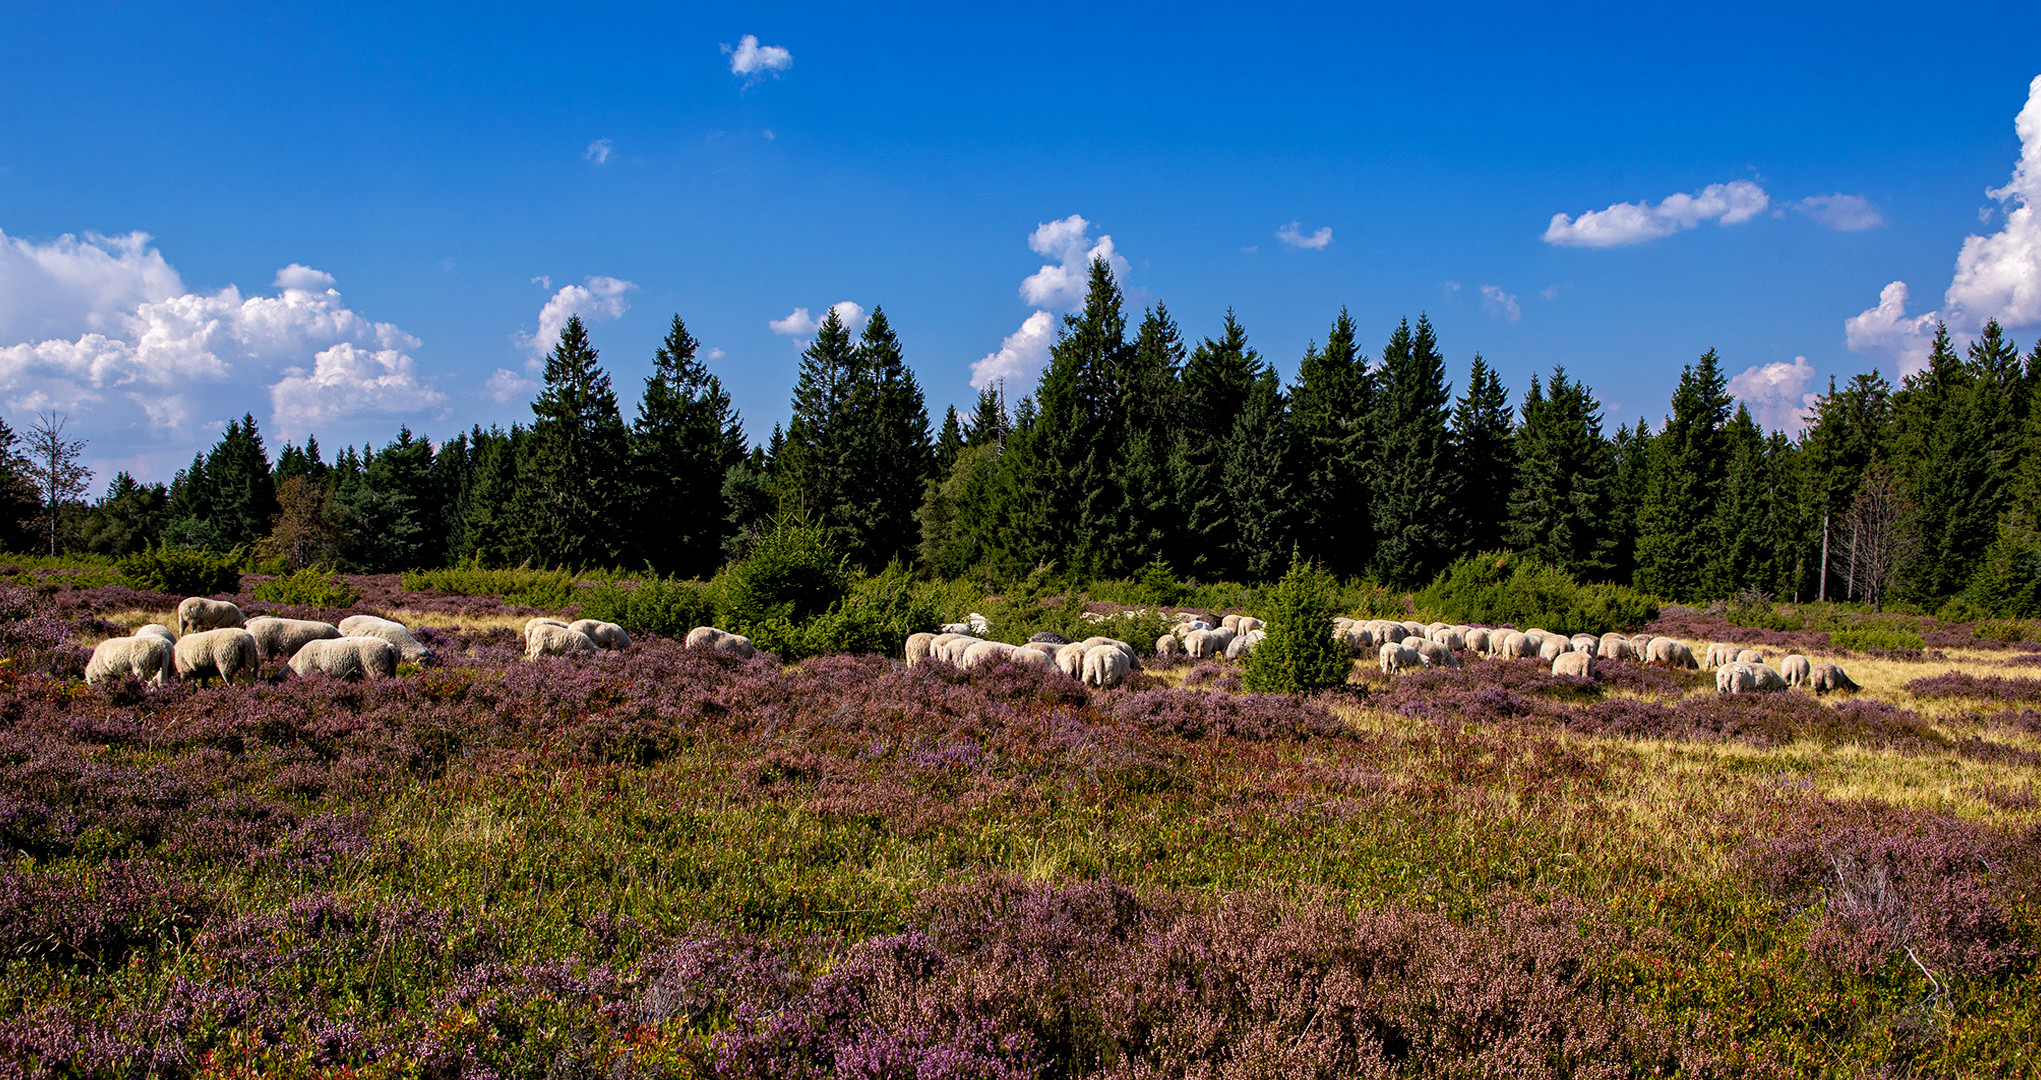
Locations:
column 489, row 532
column 1218, row 380
column 1630, row 452
column 989, row 422
column 1417, row 521
column 128, row 518
column 1846, row 435
column 1485, row 448
column 571, row 472
column 1754, row 526
column 893, row 455
column 17, row 495
column 1255, row 474
column 814, row 462
column 1562, row 507
column 1150, row 389
column 1329, row 410
column 393, row 508
column 683, row 442
column 227, row 498
column 949, row 442
column 1677, row 520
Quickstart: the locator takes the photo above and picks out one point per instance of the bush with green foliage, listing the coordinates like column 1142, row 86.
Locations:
column 2009, row 581
column 790, row 576
column 1300, row 654
column 877, row 616
column 2008, row 630
column 308, row 588
column 663, row 607
column 182, row 571
column 1876, row 637
column 523, row 585
column 1502, row 587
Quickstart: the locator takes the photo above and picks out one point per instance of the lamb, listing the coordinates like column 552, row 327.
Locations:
column 544, row 641
column 280, row 639
column 701, row 637
column 1586, row 643
column 1721, row 653
column 1477, row 639
column 199, row 613
column 1435, row 654
column 1612, row 647
column 145, row 656
column 917, row 648
column 223, row 654
column 1671, row 653
column 607, row 635
column 1168, row 645
column 1750, row 656
column 1104, row 667
column 1796, row 668
column 1580, row 665
column 1826, row 677
column 1394, row 658
column 347, row 658
column 408, row 648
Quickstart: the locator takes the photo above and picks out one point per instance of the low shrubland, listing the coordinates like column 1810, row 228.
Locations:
column 1502, row 588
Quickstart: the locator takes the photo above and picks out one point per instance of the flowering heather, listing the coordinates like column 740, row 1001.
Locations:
column 1983, row 687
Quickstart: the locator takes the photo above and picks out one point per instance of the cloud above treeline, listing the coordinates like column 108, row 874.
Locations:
column 1057, row 287
column 1634, row 223
column 753, row 62
column 598, row 299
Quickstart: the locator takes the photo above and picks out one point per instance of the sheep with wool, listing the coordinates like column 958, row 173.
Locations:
column 390, row 630
column 545, row 641
column 280, row 639
column 1394, row 658
column 1828, row 678
column 222, row 654
column 1671, row 653
column 1579, row 664
column 145, row 656
column 1796, row 668
column 199, row 613
column 1104, row 667
column 917, row 647
column 606, row 635
column 347, row 658
column 1434, row 654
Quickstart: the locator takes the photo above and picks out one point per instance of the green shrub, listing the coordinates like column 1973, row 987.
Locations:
column 182, row 571
column 1502, row 587
column 2006, row 630
column 665, row 607
column 308, row 588
column 2008, row 582
column 1754, row 609
column 1299, row 655
column 877, row 616
column 1876, row 637
column 791, row 574
column 524, row 585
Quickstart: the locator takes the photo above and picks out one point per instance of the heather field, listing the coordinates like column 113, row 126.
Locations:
column 662, row 863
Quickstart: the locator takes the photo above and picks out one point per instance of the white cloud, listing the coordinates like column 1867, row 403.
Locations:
column 755, row 61
column 70, row 286
column 1777, row 393
column 598, row 151
column 1997, row 276
column 1843, row 213
column 1500, row 304
column 1449, row 288
column 505, row 384
column 1634, row 223
column 1062, row 284
column 1024, row 353
column 601, row 299
column 1293, row 236
column 800, row 324
column 302, row 278
column 1551, row 292
column 347, row 382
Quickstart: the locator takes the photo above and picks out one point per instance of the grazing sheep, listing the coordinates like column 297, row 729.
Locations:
column 1168, row 645
column 1394, row 658
column 347, row 658
column 1551, row 647
column 1477, row 639
column 1435, row 654
column 1449, row 637
column 957, row 628
column 1612, row 647
column 1640, row 646
column 1241, row 646
column 1585, row 642
column 1511, row 645
column 1744, row 677
column 954, row 649
column 145, row 656
column 1796, row 668
column 1231, row 622
column 157, row 629
column 1826, row 677
column 1580, row 665
column 408, row 647
column 280, row 639
column 979, row 624
column 541, row 620
column 1540, row 633
column 1207, row 644
column 1249, row 624
column 1415, row 629
column 199, row 613
column 1412, row 641
column 544, row 641
column 1671, row 653
column 981, row 652
column 1341, row 622
column 1720, row 653
column 917, row 648
column 1034, row 654
column 1070, row 660
column 1048, row 637
column 607, row 635
column 223, row 654
column 1104, row 667
column 1354, row 640
column 1750, row 656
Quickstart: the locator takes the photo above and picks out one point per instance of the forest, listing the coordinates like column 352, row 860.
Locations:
column 1139, row 449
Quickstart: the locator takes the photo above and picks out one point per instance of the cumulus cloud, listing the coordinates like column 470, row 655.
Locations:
column 1294, row 236
column 1500, row 304
column 72, row 286
column 754, row 61
column 800, row 324
column 1843, row 213
column 598, row 151
column 348, row 382
column 1068, row 241
column 1777, row 393
column 1024, row 353
column 1997, row 276
column 599, row 300
column 505, row 385
column 1634, row 223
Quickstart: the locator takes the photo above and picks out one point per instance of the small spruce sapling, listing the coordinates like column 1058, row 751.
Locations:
column 1300, row 653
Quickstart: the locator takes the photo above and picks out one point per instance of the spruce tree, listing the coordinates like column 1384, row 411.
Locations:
column 1220, row 376
column 393, row 507
column 17, row 495
column 1255, row 474
column 815, row 462
column 989, row 422
column 1677, row 521
column 572, row 470
column 948, row 443
column 1484, row 448
column 1329, row 410
column 1150, row 389
column 1753, row 515
column 684, row 440
column 1630, row 452
column 1300, row 653
column 1563, row 505
column 489, row 533
column 1417, row 520
column 893, row 455
column 1846, row 435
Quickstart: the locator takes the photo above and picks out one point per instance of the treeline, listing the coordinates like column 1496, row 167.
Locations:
column 1139, row 449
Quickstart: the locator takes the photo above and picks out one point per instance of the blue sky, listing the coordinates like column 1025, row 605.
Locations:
column 461, row 177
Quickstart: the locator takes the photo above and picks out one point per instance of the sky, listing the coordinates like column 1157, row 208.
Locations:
column 342, row 219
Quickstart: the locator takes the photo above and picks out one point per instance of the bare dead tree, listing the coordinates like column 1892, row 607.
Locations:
column 54, row 468
column 1882, row 538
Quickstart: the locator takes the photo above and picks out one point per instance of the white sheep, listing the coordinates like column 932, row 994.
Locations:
column 1104, row 667
column 1434, row 654
column 223, row 654
column 1750, row 656
column 1720, row 653
column 606, row 635
column 1554, row 646
column 917, row 647
column 1249, row 624
column 1449, row 637
column 1580, row 665
column 1584, row 643
column 1394, row 658
column 712, row 639
column 408, row 648
column 157, row 630
column 347, row 658
column 980, row 625
column 543, row 641
column 542, row 620
column 1513, row 645
column 1612, row 646
column 1243, row 645
column 1827, row 677
column 145, row 656
column 1796, row 668
column 199, row 613
column 1745, row 677
column 1070, row 660
column 1206, row 644
column 1231, row 622
column 1037, row 654
column 280, row 639
column 1477, row 639
column 1168, row 645
column 981, row 652
column 1671, row 653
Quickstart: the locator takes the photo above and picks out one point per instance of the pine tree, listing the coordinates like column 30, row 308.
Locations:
column 1329, row 410
column 1300, row 654
column 1150, row 389
column 489, row 532
column 1753, row 515
column 1417, row 524
column 814, row 462
column 683, row 443
column 989, row 422
column 571, row 472
column 1846, row 435
column 127, row 519
column 1677, row 520
column 1563, row 505
column 392, row 507
column 1630, row 454
column 1485, row 450
column 1255, row 476
column 948, row 443
column 1220, row 376
column 892, row 454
